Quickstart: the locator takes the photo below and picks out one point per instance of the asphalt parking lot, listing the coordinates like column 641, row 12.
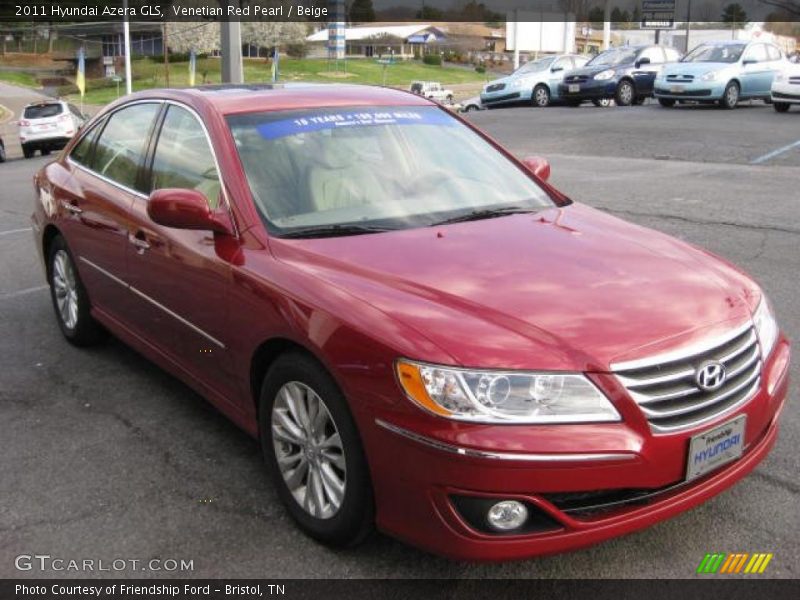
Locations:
column 105, row 456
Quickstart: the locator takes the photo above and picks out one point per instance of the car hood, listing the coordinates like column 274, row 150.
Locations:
column 565, row 289
column 697, row 69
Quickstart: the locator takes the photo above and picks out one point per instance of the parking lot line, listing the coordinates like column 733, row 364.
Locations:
column 10, row 231
column 9, row 295
column 774, row 153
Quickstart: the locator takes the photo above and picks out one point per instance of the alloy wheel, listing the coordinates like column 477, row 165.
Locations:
column 65, row 288
column 541, row 96
column 309, row 450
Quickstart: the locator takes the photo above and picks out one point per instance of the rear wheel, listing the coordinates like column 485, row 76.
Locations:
column 625, row 93
column 312, row 448
column 540, row 96
column 45, row 151
column 781, row 107
column 70, row 301
column 666, row 102
column 602, row 102
column 730, row 98
column 27, row 151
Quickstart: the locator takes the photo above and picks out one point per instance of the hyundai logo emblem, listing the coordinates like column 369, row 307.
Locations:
column 710, row 376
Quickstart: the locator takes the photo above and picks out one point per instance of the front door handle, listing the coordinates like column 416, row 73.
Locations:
column 139, row 241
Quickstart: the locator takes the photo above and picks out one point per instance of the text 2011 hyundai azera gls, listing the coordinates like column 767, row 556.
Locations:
column 423, row 333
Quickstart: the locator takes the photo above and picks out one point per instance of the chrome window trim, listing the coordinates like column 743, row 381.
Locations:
column 504, row 456
column 152, row 301
column 108, row 180
column 682, row 353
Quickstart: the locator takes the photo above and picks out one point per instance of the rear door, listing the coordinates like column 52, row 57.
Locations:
column 95, row 202
column 180, row 278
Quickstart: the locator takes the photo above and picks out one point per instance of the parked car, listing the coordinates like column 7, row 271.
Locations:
column 535, row 81
column 786, row 88
column 433, row 90
column 47, row 126
column 423, row 333
column 2, row 151
column 471, row 104
column 624, row 74
column 724, row 72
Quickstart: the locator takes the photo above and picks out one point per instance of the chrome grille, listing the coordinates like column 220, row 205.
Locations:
column 680, row 78
column 794, row 80
column 576, row 79
column 667, row 393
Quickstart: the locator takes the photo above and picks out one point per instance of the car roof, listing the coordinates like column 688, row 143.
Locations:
column 231, row 99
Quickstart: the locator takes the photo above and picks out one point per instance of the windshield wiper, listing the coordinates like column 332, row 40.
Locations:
column 333, row 231
column 487, row 213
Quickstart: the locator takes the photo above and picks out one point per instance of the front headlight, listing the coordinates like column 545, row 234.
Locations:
column 504, row 396
column 779, row 77
column 604, row 75
column 710, row 76
column 515, row 84
column 766, row 326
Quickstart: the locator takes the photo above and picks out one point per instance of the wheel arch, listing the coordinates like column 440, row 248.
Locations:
column 50, row 233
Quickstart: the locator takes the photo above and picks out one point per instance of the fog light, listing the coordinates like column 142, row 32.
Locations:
column 507, row 515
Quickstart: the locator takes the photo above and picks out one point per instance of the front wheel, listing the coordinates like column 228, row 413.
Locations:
column 70, row 301
column 541, row 96
column 730, row 98
column 313, row 450
column 666, row 102
column 781, row 107
column 625, row 93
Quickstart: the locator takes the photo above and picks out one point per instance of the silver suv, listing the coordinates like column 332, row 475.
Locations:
column 48, row 125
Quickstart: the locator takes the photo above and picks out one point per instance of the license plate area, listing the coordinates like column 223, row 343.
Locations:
column 574, row 88
column 676, row 89
column 715, row 447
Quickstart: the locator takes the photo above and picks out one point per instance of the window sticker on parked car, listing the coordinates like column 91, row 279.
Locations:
column 352, row 118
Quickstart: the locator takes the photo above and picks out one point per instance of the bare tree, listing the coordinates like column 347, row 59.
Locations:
column 185, row 36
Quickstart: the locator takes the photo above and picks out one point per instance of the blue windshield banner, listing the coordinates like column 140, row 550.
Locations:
column 353, row 118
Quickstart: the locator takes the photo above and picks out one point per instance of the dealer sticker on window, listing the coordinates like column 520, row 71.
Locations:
column 715, row 447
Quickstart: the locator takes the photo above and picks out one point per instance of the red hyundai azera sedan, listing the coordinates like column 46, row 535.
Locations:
column 424, row 335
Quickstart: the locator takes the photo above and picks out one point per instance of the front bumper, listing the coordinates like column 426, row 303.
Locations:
column 591, row 89
column 786, row 92
column 689, row 91
column 568, row 485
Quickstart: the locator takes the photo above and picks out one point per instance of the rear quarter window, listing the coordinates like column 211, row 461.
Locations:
column 43, row 111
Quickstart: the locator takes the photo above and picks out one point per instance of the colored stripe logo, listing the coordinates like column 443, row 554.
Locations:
column 739, row 562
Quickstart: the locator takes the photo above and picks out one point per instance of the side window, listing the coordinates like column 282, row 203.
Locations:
column 119, row 150
column 756, row 52
column 672, row 54
column 580, row 61
column 81, row 152
column 655, row 54
column 773, row 53
column 564, row 63
column 183, row 158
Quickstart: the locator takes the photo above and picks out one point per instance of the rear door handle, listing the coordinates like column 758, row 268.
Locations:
column 139, row 241
column 71, row 207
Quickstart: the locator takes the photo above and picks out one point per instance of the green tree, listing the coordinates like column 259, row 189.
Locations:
column 361, row 11
column 734, row 13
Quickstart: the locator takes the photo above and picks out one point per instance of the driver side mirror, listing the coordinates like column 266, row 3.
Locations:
column 186, row 209
column 538, row 166
column 642, row 61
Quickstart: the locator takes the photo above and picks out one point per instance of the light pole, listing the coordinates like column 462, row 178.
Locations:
column 126, row 26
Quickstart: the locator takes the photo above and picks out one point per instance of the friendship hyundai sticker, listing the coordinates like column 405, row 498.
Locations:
column 352, row 118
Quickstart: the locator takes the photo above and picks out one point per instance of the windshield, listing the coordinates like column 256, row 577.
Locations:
column 619, row 56
column 387, row 167
column 727, row 53
column 535, row 66
column 41, row 111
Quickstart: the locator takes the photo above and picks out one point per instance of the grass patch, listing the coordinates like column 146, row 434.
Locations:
column 19, row 78
column 148, row 74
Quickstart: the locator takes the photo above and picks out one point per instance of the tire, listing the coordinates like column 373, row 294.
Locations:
column 70, row 300
column 730, row 97
column 45, row 151
column 626, row 93
column 540, row 96
column 666, row 102
column 470, row 108
column 2, row 153
column 781, row 107
column 27, row 151
column 602, row 102
column 296, row 379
